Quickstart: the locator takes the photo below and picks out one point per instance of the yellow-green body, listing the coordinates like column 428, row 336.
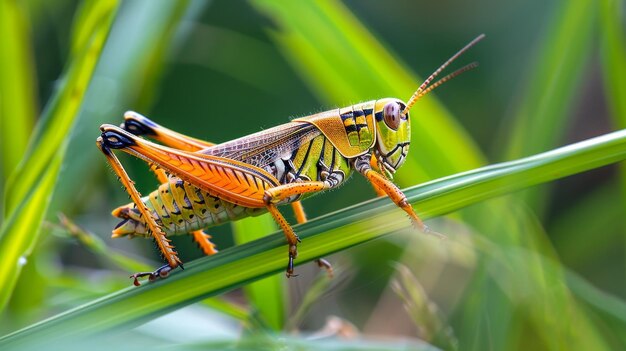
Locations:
column 320, row 147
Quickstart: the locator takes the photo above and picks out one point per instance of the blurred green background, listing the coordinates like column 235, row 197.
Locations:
column 544, row 268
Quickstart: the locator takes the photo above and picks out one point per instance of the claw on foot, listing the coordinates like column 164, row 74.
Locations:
column 293, row 253
column 161, row 272
column 322, row 263
column 289, row 272
column 429, row 231
column 426, row 230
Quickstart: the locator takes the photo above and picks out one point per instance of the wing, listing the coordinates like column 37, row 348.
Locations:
column 228, row 179
column 259, row 149
column 262, row 148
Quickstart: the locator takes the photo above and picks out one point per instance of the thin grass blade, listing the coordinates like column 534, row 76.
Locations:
column 18, row 104
column 542, row 118
column 613, row 51
column 30, row 186
column 144, row 34
column 18, row 232
column 425, row 314
column 53, row 128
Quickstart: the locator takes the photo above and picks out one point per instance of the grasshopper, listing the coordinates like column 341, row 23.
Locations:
column 205, row 184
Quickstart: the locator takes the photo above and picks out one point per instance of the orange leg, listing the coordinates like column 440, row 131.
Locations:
column 163, row 243
column 379, row 191
column 204, row 241
column 231, row 180
column 387, row 187
column 159, row 173
column 279, row 193
column 376, row 164
column 384, row 185
column 298, row 210
column 290, row 235
column 301, row 218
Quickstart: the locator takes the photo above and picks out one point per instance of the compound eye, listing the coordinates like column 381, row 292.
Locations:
column 391, row 114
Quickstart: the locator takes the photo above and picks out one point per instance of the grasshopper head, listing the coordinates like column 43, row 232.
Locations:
column 393, row 134
column 393, row 130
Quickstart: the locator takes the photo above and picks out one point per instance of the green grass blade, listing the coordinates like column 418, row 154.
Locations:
column 320, row 285
column 333, row 52
column 106, row 254
column 425, row 314
column 17, row 87
column 613, row 52
column 570, row 229
column 53, row 128
column 289, row 342
column 18, row 233
column 542, row 119
column 603, row 303
column 132, row 60
column 266, row 295
column 538, row 125
column 30, row 186
column 237, row 266
column 528, row 279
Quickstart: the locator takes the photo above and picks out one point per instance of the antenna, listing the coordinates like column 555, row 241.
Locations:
column 425, row 89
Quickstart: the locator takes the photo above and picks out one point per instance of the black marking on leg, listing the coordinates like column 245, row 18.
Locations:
column 116, row 140
column 105, row 150
column 289, row 272
column 137, row 128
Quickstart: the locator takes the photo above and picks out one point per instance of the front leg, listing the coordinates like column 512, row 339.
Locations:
column 382, row 185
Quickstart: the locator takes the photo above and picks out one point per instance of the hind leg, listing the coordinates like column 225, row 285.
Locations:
column 163, row 243
column 204, row 242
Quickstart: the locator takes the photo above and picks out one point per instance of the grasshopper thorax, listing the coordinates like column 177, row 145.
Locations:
column 393, row 134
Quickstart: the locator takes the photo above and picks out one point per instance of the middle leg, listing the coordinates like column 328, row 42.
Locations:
column 279, row 193
column 298, row 209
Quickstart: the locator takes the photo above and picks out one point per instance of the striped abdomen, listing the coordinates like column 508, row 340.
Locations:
column 180, row 208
